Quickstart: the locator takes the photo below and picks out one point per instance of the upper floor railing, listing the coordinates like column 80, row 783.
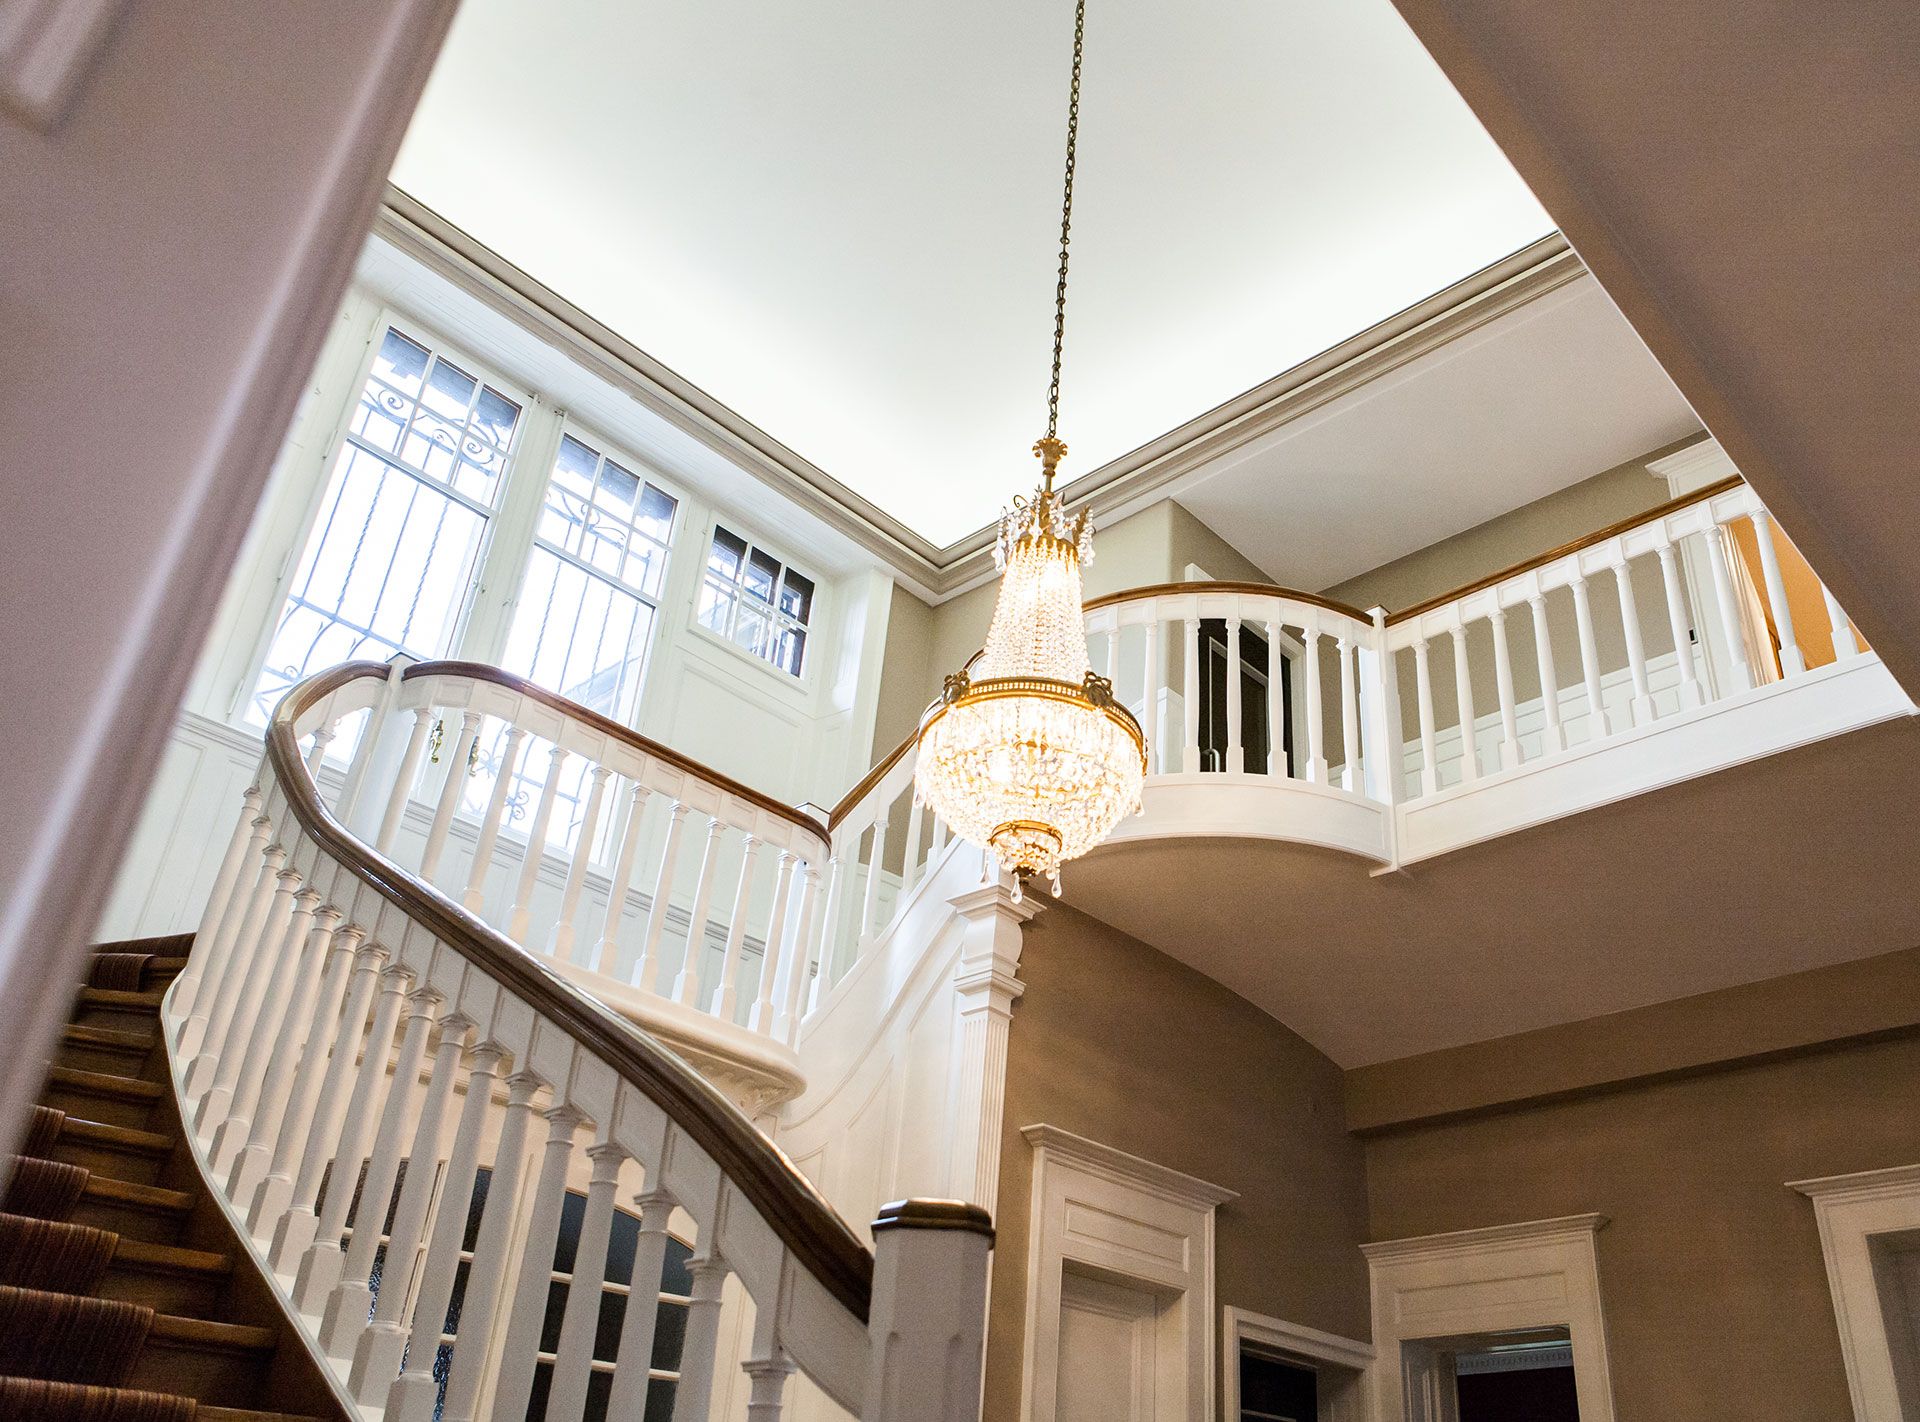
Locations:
column 351, row 1043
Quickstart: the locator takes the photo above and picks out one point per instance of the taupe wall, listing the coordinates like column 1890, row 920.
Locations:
column 1115, row 1041
column 1711, row 1274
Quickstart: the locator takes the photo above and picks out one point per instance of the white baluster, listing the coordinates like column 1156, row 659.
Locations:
column 319, row 1265
column 205, row 1029
column 234, row 1125
column 1150, row 693
column 1349, row 713
column 403, row 785
column 487, row 1276
column 317, row 749
column 828, row 932
column 224, row 908
column 725, row 998
column 1276, row 707
column 910, row 861
column 1111, row 667
column 876, row 862
column 474, row 899
column 774, row 954
column 228, row 1042
column 1236, row 759
column 275, row 1191
column 1636, row 653
column 377, row 1351
column 1730, row 623
column 790, row 993
column 1463, row 701
column 1429, row 749
column 927, row 1322
column 1553, row 738
column 519, row 1350
column 688, row 981
column 573, row 1357
column 607, row 950
column 939, row 838
column 1598, row 727
column 1681, row 627
column 449, row 796
column 339, row 1115
column 628, row 1401
column 768, row 1367
column 1190, row 697
column 646, row 971
column 293, row 1040
column 693, row 1395
column 1845, row 643
column 1316, row 733
column 561, row 945
column 1386, row 726
column 345, row 1315
column 1792, row 662
column 413, row 1394
column 1503, row 688
column 536, row 847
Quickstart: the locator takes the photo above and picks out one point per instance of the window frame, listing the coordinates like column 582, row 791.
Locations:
column 812, row 627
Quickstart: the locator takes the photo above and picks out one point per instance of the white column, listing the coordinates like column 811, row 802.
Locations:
column 693, row 1395
column 536, row 848
column 929, row 1314
column 412, row 1395
column 1429, row 750
column 1792, row 663
column 1150, row 694
column 688, row 980
column 767, row 1366
column 403, row 785
column 910, row 861
column 519, row 1350
column 1503, row 688
column 1598, row 726
column 1236, row 757
column 474, row 899
column 1190, row 696
column 986, row 985
column 317, row 749
column 775, row 952
column 319, row 1265
column 646, row 972
column 725, row 999
column 790, row 993
column 223, row 910
column 234, row 1126
column 628, row 1401
column 1316, row 736
column 870, row 902
column 293, row 1231
column 205, row 1030
column 449, row 796
column 1384, row 731
column 1845, row 644
column 1276, row 705
column 275, row 1191
column 1730, row 625
column 1680, row 626
column 561, row 944
column 1636, row 653
column 1553, row 737
column 1349, row 715
column 1463, row 701
column 607, row 950
column 573, row 1356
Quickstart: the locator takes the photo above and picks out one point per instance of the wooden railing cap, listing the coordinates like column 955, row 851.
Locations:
column 934, row 1214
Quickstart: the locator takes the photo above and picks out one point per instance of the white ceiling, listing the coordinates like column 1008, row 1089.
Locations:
column 838, row 218
column 1540, row 398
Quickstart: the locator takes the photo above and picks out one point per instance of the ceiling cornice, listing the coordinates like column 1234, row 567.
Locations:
column 1112, row 491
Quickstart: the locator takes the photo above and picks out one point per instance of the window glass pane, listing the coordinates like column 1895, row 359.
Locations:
column 790, row 651
column 401, row 363
column 728, row 553
column 716, row 605
column 669, row 1335
column 656, row 514
column 579, row 635
column 676, row 1272
column 449, row 391
column 495, row 416
column 796, row 596
column 762, row 573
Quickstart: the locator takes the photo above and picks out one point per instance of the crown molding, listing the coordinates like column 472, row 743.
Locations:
column 1114, row 490
column 1108, row 1163
column 1895, row 1182
column 1568, row 1229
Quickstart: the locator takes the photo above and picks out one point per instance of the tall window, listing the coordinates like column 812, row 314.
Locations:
column 749, row 597
column 414, row 485
column 587, row 605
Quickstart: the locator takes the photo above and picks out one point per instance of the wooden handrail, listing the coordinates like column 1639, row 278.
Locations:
column 872, row 778
column 806, row 1224
column 1554, row 555
column 480, row 671
column 1255, row 589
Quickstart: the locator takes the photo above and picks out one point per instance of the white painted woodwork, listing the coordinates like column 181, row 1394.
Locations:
column 1338, row 1363
column 1869, row 1223
column 1510, row 755
column 1792, row 660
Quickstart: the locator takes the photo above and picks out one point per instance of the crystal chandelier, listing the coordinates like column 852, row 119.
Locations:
column 1026, row 752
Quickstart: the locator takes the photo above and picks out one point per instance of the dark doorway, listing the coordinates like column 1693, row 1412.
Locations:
column 1275, row 1391
column 1255, row 734
column 1517, row 1395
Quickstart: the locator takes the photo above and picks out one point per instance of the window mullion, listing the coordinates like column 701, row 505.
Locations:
column 503, row 559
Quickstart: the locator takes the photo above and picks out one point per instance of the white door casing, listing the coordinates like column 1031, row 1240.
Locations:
column 1338, row 1363
column 1857, row 1215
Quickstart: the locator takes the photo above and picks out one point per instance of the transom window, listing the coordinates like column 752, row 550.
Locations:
column 752, row 599
column 414, row 485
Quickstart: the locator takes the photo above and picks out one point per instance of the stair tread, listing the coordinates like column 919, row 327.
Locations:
column 107, row 1037
column 210, row 1333
column 161, row 943
column 174, row 1258
column 147, row 1001
column 105, row 1189
column 203, row 1413
column 105, row 1083
column 98, row 1133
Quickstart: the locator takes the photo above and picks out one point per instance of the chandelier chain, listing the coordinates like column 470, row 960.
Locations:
column 1066, row 218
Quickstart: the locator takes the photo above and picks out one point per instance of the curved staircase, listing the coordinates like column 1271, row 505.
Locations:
column 120, row 1300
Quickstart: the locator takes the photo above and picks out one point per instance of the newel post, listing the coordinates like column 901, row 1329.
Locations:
column 986, row 984
column 928, row 1320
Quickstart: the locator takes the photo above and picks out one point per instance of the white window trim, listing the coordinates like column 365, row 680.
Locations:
column 1851, row 1210
column 1079, row 1186
column 1338, row 1362
column 1437, row 1287
column 817, row 614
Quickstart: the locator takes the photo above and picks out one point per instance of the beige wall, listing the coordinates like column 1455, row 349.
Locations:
column 1117, row 1042
column 1711, row 1274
